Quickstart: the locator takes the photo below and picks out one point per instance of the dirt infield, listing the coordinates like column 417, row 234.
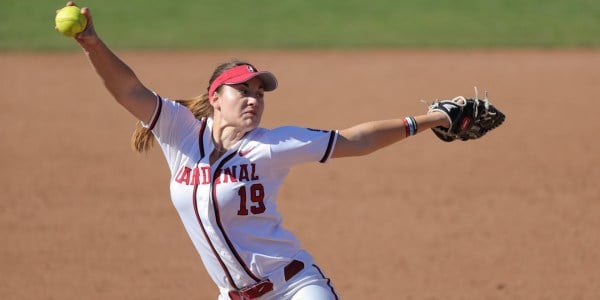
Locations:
column 515, row 215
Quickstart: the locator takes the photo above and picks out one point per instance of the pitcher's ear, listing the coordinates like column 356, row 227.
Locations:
column 214, row 101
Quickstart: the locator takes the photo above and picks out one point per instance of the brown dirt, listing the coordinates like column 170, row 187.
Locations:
column 515, row 215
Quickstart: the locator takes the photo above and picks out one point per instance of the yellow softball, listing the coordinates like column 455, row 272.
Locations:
column 69, row 21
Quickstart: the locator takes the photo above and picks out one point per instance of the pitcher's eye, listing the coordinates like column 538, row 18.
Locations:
column 245, row 92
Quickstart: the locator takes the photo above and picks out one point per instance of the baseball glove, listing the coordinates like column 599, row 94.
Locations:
column 470, row 118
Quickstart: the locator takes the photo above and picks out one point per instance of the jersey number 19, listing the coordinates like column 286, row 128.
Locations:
column 257, row 196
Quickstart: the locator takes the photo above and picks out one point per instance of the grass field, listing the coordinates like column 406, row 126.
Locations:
column 141, row 24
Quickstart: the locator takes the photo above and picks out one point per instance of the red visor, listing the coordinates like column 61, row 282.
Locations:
column 241, row 74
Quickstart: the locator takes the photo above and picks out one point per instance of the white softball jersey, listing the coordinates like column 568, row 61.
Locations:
column 229, row 208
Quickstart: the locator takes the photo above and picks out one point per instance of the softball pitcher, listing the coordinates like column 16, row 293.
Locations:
column 226, row 170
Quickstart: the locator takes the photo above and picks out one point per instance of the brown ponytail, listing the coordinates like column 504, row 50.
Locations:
column 142, row 139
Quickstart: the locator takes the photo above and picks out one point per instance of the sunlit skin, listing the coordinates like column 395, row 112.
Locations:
column 238, row 109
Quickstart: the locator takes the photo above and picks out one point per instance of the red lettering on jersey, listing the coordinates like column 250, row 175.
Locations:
column 254, row 176
column 184, row 175
column 229, row 174
column 205, row 175
column 234, row 173
column 243, row 173
column 195, row 178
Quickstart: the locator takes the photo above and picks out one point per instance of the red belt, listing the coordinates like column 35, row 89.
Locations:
column 265, row 286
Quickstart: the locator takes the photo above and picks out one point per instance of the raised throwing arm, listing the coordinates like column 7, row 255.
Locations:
column 118, row 78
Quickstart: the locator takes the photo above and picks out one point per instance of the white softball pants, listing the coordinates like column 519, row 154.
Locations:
column 309, row 284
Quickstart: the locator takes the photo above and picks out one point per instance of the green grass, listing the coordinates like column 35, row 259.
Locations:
column 260, row 24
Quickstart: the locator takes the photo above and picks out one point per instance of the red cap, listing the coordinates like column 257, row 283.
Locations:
column 241, row 74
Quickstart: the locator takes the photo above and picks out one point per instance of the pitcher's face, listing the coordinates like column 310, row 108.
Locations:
column 241, row 105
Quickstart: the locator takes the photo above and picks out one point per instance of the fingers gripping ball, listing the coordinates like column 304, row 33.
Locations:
column 70, row 21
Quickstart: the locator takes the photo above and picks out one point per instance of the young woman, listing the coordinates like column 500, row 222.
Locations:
column 226, row 170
